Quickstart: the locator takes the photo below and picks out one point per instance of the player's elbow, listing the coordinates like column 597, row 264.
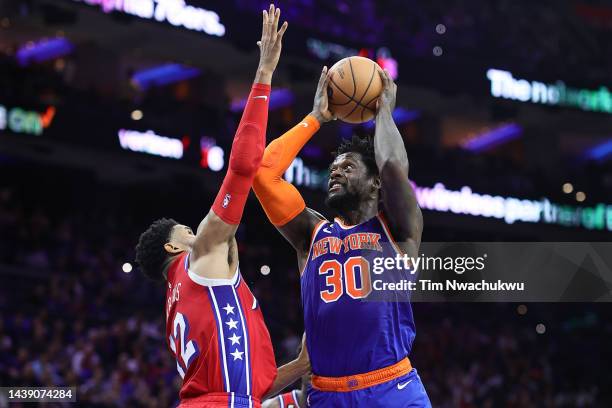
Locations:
column 245, row 165
column 247, row 150
column 260, row 182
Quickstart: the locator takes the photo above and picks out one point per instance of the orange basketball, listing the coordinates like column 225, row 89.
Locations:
column 354, row 88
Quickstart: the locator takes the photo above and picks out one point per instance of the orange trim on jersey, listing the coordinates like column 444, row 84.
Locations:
column 385, row 226
column 343, row 225
column 315, row 231
column 361, row 381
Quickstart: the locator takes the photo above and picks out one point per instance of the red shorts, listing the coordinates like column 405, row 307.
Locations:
column 221, row 400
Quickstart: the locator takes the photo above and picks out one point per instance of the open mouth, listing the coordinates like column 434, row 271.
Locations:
column 335, row 186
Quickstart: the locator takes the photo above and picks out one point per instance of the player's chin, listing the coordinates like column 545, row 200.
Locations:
column 335, row 199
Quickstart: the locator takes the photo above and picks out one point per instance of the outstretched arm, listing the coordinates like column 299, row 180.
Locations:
column 218, row 228
column 281, row 201
column 399, row 200
column 290, row 372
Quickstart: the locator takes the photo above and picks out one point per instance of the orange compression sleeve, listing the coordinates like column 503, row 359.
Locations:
column 281, row 201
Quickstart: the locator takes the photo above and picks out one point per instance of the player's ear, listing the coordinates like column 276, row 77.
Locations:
column 171, row 249
column 377, row 183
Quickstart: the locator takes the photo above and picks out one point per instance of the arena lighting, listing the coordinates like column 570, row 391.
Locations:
column 400, row 115
column 163, row 75
column 43, row 50
column 150, row 143
column 212, row 156
column 127, row 267
column 325, row 50
column 136, row 114
column 600, row 152
column 19, row 120
column 299, row 174
column 279, row 98
column 466, row 202
column 493, row 138
column 504, row 85
column 174, row 12
column 511, row 209
column 568, row 188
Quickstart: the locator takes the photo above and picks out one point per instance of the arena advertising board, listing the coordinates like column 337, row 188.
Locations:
column 174, row 12
column 465, row 201
column 504, row 85
column 19, row 120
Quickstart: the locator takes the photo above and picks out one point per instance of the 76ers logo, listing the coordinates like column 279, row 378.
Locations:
column 226, row 200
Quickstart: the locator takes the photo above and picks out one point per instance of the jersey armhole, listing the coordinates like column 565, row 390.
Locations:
column 315, row 231
column 392, row 241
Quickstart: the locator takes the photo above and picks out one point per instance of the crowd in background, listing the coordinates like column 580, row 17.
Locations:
column 72, row 317
column 480, row 31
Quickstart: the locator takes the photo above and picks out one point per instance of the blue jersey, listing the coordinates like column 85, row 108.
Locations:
column 347, row 332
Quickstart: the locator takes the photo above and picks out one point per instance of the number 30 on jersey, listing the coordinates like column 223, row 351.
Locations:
column 352, row 277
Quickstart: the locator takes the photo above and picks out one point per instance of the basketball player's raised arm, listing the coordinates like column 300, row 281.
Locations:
column 219, row 226
column 399, row 199
column 281, row 201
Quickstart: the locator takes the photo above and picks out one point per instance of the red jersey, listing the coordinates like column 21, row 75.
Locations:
column 289, row 400
column 216, row 330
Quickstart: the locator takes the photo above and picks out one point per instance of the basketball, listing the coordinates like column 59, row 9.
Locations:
column 354, row 88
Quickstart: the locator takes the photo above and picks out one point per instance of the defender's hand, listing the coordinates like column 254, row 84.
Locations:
column 271, row 41
column 320, row 109
column 303, row 357
column 387, row 97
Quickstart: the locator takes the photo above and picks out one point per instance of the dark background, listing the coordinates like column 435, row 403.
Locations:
column 73, row 203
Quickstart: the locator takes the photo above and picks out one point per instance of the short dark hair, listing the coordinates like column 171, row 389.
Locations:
column 364, row 145
column 150, row 252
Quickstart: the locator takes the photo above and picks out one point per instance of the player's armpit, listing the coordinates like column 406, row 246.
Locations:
column 212, row 232
column 210, row 256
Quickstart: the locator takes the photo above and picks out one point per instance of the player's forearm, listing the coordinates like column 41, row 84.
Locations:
column 263, row 76
column 280, row 200
column 281, row 152
column 388, row 144
column 287, row 375
column 246, row 156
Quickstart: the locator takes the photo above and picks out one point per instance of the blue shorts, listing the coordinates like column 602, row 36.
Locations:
column 406, row 391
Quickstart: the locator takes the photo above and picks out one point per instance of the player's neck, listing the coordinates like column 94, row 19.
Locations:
column 365, row 211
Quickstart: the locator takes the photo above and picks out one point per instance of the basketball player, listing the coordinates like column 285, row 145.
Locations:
column 214, row 325
column 294, row 399
column 358, row 349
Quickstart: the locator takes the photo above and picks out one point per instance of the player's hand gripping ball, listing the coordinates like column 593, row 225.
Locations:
column 354, row 87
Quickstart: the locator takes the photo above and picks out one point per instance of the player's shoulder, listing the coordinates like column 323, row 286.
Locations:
column 176, row 265
column 318, row 216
